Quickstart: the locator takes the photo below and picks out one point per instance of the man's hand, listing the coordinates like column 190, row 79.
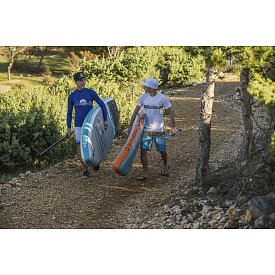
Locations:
column 173, row 131
column 106, row 124
column 129, row 130
column 69, row 132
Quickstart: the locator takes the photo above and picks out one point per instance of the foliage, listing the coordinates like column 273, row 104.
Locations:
column 263, row 89
column 31, row 119
column 178, row 67
column 170, row 65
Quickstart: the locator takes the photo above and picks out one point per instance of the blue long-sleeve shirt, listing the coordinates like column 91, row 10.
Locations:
column 82, row 101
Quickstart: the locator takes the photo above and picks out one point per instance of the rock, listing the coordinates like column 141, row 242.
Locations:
column 206, row 209
column 178, row 226
column 190, row 218
column 218, row 216
column 144, row 226
column 243, row 200
column 222, row 220
column 184, row 220
column 213, row 213
column 212, row 222
column 221, row 75
column 178, row 217
column 272, row 217
column 261, row 222
column 175, row 209
column 166, row 209
column 231, row 211
column 228, row 203
column 247, row 217
column 262, row 205
column 212, row 190
column 196, row 225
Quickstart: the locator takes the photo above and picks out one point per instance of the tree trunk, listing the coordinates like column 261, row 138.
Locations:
column 207, row 100
column 43, row 53
column 9, row 67
column 245, row 151
column 13, row 52
column 114, row 50
column 269, row 155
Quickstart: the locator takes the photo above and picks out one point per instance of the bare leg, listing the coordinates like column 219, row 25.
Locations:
column 164, row 158
column 144, row 162
column 85, row 167
column 165, row 169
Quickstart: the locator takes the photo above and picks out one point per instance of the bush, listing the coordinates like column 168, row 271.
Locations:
column 31, row 119
column 179, row 68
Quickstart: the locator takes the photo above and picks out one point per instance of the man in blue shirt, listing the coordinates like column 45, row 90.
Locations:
column 82, row 102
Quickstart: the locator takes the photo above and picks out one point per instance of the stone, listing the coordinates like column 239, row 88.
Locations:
column 206, row 209
column 248, row 216
column 166, row 209
column 242, row 200
column 196, row 225
column 262, row 205
column 261, row 222
column 178, row 217
column 184, row 220
column 212, row 222
column 144, row 226
column 228, row 203
column 212, row 190
column 272, row 217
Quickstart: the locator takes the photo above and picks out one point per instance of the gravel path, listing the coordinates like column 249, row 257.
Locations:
column 58, row 198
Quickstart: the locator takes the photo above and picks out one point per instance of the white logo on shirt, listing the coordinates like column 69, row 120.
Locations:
column 82, row 102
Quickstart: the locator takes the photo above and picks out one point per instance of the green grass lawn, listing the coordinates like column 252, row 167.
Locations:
column 17, row 80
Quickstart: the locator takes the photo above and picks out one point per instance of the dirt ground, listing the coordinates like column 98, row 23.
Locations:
column 58, row 198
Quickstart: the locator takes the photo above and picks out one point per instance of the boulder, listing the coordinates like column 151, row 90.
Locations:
column 262, row 205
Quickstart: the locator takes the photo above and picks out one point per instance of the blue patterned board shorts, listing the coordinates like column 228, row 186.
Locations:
column 147, row 141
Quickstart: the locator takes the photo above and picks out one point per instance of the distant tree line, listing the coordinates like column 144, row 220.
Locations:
column 19, row 57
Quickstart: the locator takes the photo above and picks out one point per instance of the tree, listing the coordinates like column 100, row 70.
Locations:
column 41, row 52
column 213, row 59
column 12, row 53
column 252, row 60
column 245, row 151
column 114, row 50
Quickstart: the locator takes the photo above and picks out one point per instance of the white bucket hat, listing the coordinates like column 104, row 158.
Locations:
column 151, row 83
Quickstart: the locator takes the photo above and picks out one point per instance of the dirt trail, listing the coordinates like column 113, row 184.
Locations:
column 58, row 198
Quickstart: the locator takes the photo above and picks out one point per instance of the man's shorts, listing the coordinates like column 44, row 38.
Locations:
column 147, row 141
column 77, row 133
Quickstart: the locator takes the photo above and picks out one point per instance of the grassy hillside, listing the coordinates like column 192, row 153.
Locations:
column 56, row 62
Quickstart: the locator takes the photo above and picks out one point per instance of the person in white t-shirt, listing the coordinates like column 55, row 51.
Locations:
column 152, row 103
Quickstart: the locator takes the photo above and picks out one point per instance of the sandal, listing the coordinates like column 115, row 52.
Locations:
column 165, row 171
column 141, row 177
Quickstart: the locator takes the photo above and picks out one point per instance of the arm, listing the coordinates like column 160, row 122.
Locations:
column 167, row 105
column 133, row 118
column 69, row 116
column 102, row 105
column 172, row 119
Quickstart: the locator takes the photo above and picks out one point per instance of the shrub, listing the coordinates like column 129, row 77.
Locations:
column 31, row 119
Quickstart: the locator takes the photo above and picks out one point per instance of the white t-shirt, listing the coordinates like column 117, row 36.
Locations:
column 153, row 108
